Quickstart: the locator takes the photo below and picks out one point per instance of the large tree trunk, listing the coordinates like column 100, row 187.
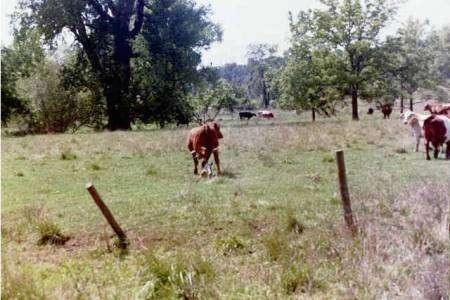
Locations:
column 355, row 104
column 117, row 97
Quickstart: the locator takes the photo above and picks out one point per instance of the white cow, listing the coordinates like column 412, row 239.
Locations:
column 415, row 120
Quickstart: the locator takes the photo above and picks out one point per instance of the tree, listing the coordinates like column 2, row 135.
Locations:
column 17, row 62
column 444, row 53
column 105, row 30
column 262, row 63
column 412, row 55
column 209, row 102
column 174, row 33
column 309, row 81
column 352, row 29
column 51, row 107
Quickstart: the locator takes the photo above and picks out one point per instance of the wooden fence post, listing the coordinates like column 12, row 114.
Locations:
column 108, row 215
column 345, row 196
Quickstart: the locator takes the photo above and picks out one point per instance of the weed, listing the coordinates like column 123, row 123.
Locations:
column 20, row 174
column 179, row 278
column 151, row 171
column 297, row 278
column 230, row 244
column 328, row 158
column 95, row 167
column 50, row 233
column 67, row 155
column 276, row 246
column 294, row 225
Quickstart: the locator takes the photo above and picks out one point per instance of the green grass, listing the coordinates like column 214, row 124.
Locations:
column 270, row 227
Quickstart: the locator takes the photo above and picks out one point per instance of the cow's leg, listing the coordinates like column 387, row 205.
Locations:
column 417, row 143
column 194, row 157
column 205, row 161
column 436, row 151
column 216, row 160
column 447, row 153
column 427, row 149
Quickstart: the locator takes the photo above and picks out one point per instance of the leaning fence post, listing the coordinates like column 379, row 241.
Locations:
column 345, row 196
column 108, row 215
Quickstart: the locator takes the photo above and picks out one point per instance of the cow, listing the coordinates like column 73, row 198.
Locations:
column 436, row 130
column 201, row 142
column 386, row 109
column 266, row 114
column 437, row 108
column 246, row 115
column 416, row 127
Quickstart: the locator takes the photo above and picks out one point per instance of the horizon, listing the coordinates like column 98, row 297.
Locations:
column 242, row 25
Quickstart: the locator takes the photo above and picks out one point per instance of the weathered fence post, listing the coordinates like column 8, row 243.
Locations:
column 123, row 242
column 345, row 196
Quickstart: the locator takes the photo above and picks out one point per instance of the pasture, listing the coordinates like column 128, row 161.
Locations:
column 270, row 227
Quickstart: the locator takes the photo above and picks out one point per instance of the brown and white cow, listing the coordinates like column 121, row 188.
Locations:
column 436, row 130
column 266, row 114
column 416, row 124
column 202, row 141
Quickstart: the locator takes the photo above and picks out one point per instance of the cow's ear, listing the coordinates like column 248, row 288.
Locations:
column 216, row 126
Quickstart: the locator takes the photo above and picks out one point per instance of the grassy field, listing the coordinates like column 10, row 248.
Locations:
column 270, row 227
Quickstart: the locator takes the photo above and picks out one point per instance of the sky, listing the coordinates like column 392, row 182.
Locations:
column 247, row 22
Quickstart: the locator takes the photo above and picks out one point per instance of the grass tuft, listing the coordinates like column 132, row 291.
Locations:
column 67, row 155
column 294, row 225
column 296, row 278
column 151, row 171
column 95, row 167
column 229, row 245
column 50, row 233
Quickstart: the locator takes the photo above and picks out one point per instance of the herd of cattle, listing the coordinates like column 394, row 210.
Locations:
column 434, row 128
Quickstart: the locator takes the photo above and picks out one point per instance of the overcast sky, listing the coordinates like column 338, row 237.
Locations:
column 265, row 21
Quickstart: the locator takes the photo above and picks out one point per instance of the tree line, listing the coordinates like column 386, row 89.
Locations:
column 139, row 62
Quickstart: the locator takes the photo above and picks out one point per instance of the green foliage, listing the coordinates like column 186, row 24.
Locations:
column 174, row 33
column 17, row 62
column 51, row 107
column 416, row 53
column 209, row 102
column 351, row 29
column 105, row 30
column 263, row 65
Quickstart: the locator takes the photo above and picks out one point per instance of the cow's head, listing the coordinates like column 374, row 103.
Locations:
column 216, row 129
column 409, row 117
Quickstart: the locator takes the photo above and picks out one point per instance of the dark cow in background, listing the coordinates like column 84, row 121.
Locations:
column 246, row 115
column 266, row 114
column 436, row 130
column 202, row 141
column 386, row 109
